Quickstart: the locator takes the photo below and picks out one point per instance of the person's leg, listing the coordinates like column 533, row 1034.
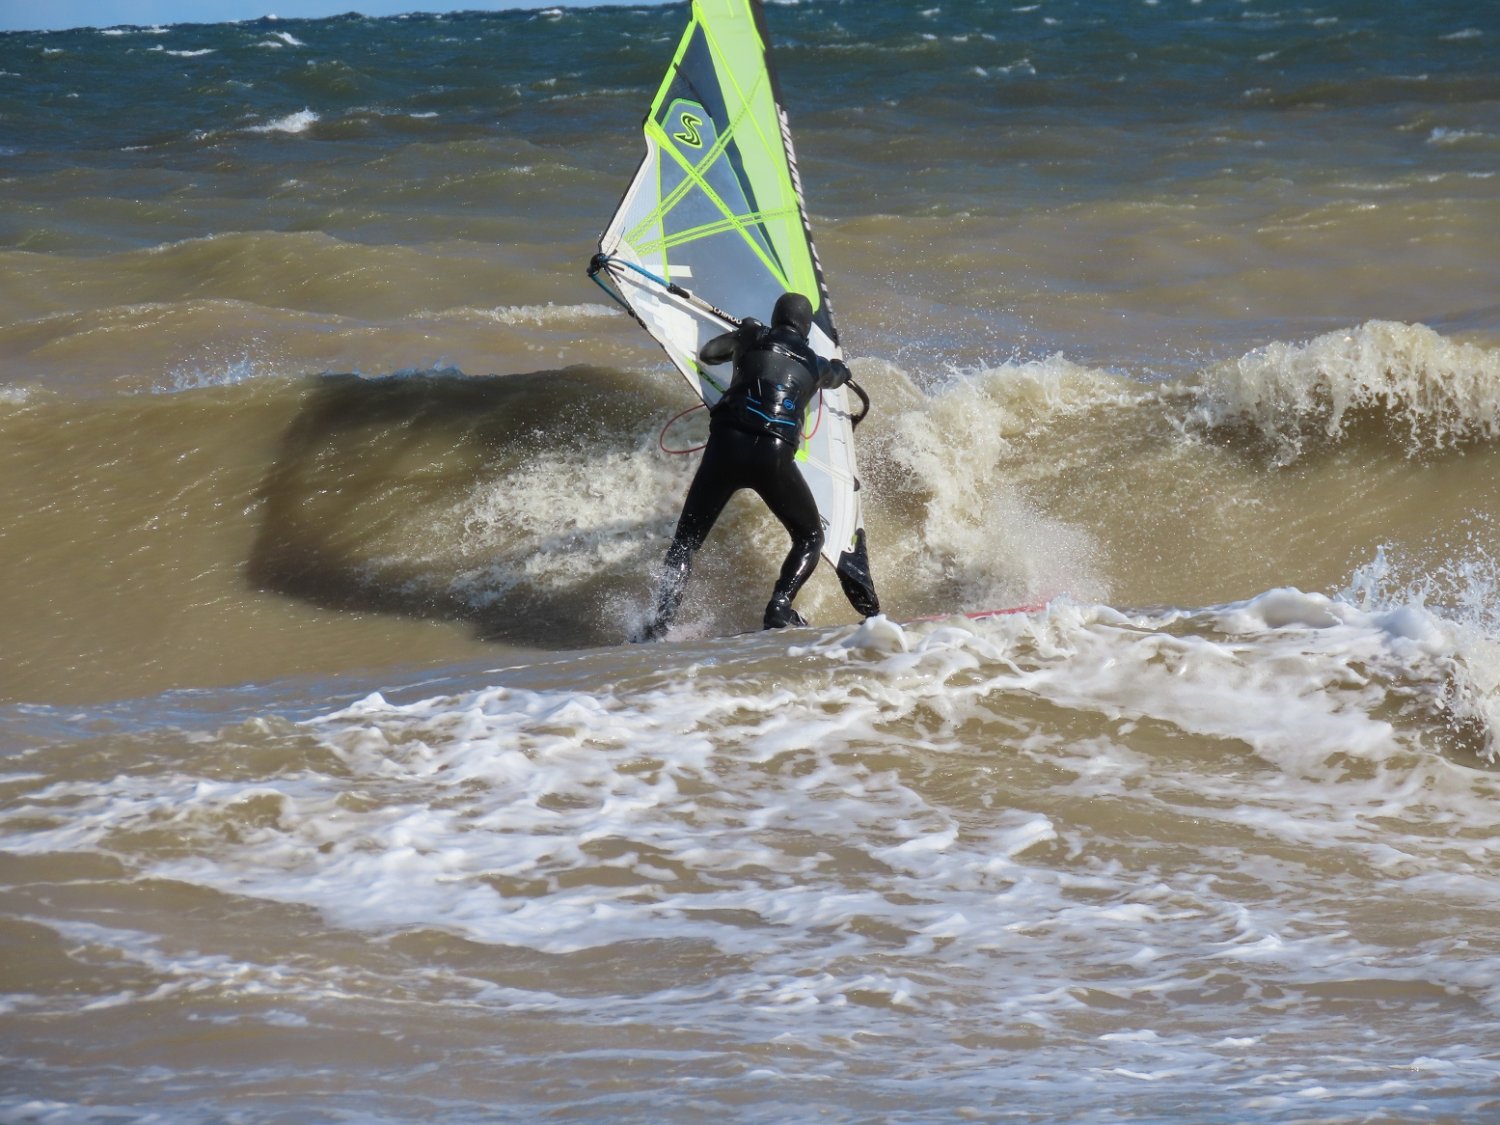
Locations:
column 784, row 489
column 712, row 486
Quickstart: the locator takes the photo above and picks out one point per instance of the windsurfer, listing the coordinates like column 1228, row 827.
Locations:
column 754, row 432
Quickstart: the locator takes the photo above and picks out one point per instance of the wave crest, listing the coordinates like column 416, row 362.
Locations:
column 1404, row 381
column 946, row 461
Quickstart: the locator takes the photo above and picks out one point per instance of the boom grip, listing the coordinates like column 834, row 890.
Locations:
column 864, row 398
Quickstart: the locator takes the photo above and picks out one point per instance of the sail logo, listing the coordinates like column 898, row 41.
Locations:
column 690, row 135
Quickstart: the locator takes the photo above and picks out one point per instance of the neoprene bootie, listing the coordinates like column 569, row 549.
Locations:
column 781, row 615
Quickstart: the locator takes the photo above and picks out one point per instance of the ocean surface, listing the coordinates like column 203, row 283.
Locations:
column 330, row 793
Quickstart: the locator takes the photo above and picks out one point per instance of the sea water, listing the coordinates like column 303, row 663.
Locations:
column 332, row 489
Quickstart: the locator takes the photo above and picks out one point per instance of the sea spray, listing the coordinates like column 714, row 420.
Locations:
column 947, row 455
column 1462, row 599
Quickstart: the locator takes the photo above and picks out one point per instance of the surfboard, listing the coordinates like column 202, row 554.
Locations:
column 713, row 228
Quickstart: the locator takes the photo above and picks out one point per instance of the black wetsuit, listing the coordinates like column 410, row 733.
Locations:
column 755, row 430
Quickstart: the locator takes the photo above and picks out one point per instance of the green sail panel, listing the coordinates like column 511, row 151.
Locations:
column 713, row 229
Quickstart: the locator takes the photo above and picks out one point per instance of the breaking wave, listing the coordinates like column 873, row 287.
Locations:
column 1421, row 390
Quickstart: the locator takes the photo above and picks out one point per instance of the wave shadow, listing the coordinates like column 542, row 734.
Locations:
column 369, row 505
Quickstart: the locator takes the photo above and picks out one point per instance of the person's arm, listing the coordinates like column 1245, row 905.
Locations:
column 832, row 373
column 721, row 348
column 718, row 350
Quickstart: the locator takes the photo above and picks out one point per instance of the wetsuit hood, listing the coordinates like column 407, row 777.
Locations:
column 793, row 311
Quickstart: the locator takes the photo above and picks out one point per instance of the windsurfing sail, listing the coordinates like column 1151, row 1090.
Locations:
column 713, row 229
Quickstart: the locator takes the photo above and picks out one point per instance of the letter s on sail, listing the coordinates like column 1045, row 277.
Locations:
column 690, row 135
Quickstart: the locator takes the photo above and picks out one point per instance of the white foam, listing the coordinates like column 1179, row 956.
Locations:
column 497, row 784
column 547, row 314
column 951, row 451
column 1059, row 823
column 1444, row 136
column 299, row 122
column 197, row 376
column 1429, row 392
column 1454, row 609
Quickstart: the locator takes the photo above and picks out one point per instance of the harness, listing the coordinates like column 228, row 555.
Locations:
column 772, row 401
